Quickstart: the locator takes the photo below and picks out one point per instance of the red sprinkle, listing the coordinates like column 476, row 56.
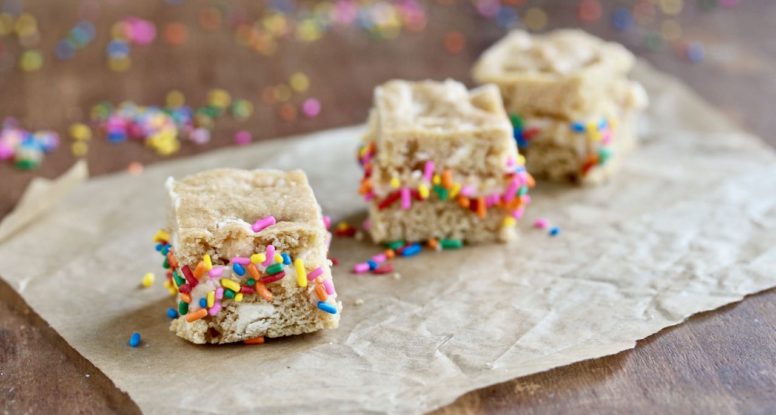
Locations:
column 185, row 288
column 272, row 278
column 247, row 290
column 384, row 268
column 388, row 201
column 334, row 261
column 189, row 276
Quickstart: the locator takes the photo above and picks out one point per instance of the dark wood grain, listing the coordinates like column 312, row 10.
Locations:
column 718, row 362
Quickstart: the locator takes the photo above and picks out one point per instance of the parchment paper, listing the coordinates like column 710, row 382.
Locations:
column 689, row 225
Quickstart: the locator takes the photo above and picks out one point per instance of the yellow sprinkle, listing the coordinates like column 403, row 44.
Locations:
column 119, row 64
column 301, row 273
column 455, row 189
column 175, row 98
column 509, row 222
column 168, row 285
column 257, row 258
column 436, row 180
column 219, row 98
column 208, row 262
column 79, row 148
column 535, row 19
column 671, row 7
column 520, row 160
column 148, row 279
column 80, row 132
column 395, row 182
column 595, row 136
column 299, row 82
column 161, row 235
column 31, row 60
column 282, row 93
column 238, row 298
column 211, row 298
column 591, row 126
column 423, row 191
column 174, row 285
column 279, row 258
column 227, row 283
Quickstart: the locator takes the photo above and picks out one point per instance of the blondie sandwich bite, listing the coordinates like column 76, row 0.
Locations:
column 246, row 257
column 440, row 163
column 570, row 101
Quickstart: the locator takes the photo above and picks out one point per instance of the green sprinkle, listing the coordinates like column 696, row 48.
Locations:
column 228, row 293
column 441, row 192
column 166, row 263
column 274, row 268
column 183, row 308
column 604, row 154
column 517, row 122
column 26, row 164
column 396, row 244
column 251, row 282
column 451, row 243
column 178, row 279
column 522, row 191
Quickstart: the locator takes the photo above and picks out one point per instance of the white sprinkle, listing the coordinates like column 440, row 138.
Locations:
column 358, row 301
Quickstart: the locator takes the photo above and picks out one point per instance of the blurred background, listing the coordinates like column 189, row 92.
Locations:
column 125, row 83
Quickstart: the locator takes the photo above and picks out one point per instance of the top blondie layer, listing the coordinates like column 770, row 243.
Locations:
column 412, row 123
column 213, row 213
column 565, row 73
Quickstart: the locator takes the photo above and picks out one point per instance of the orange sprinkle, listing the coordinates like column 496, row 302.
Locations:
column 514, row 203
column 202, row 312
column 255, row 340
column 263, row 291
column 482, row 210
column 389, row 253
column 463, row 201
column 454, row 42
column 175, row 33
column 531, row 181
column 253, row 271
column 200, row 270
column 433, row 244
column 172, row 261
column 320, row 292
column 185, row 298
column 365, row 186
column 447, row 179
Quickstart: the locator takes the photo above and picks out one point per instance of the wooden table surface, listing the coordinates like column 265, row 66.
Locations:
column 717, row 362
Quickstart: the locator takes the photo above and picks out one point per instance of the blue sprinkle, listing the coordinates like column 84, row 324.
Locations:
column 602, row 124
column 286, row 258
column 165, row 249
column 203, row 302
column 118, row 48
column 554, row 231
column 64, row 51
column 172, row 313
column 695, row 52
column 578, row 127
column 134, row 339
column 327, row 307
column 159, row 247
column 411, row 250
column 622, row 19
column 116, row 136
column 372, row 264
column 238, row 269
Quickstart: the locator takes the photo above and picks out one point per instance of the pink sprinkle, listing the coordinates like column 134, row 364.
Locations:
column 241, row 260
column 6, row 152
column 361, row 268
column 379, row 258
column 366, row 224
column 263, row 223
column 523, row 175
column 216, row 272
column 312, row 275
column 467, row 191
column 518, row 213
column 326, row 221
column 540, row 223
column 219, row 293
column 329, row 287
column 526, row 199
column 606, row 137
column 142, row 31
column 428, row 170
column 491, row 200
column 369, row 196
column 270, row 259
column 511, row 190
column 311, row 107
column 406, row 198
column 200, row 135
column 215, row 309
column 243, row 138
column 510, row 162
